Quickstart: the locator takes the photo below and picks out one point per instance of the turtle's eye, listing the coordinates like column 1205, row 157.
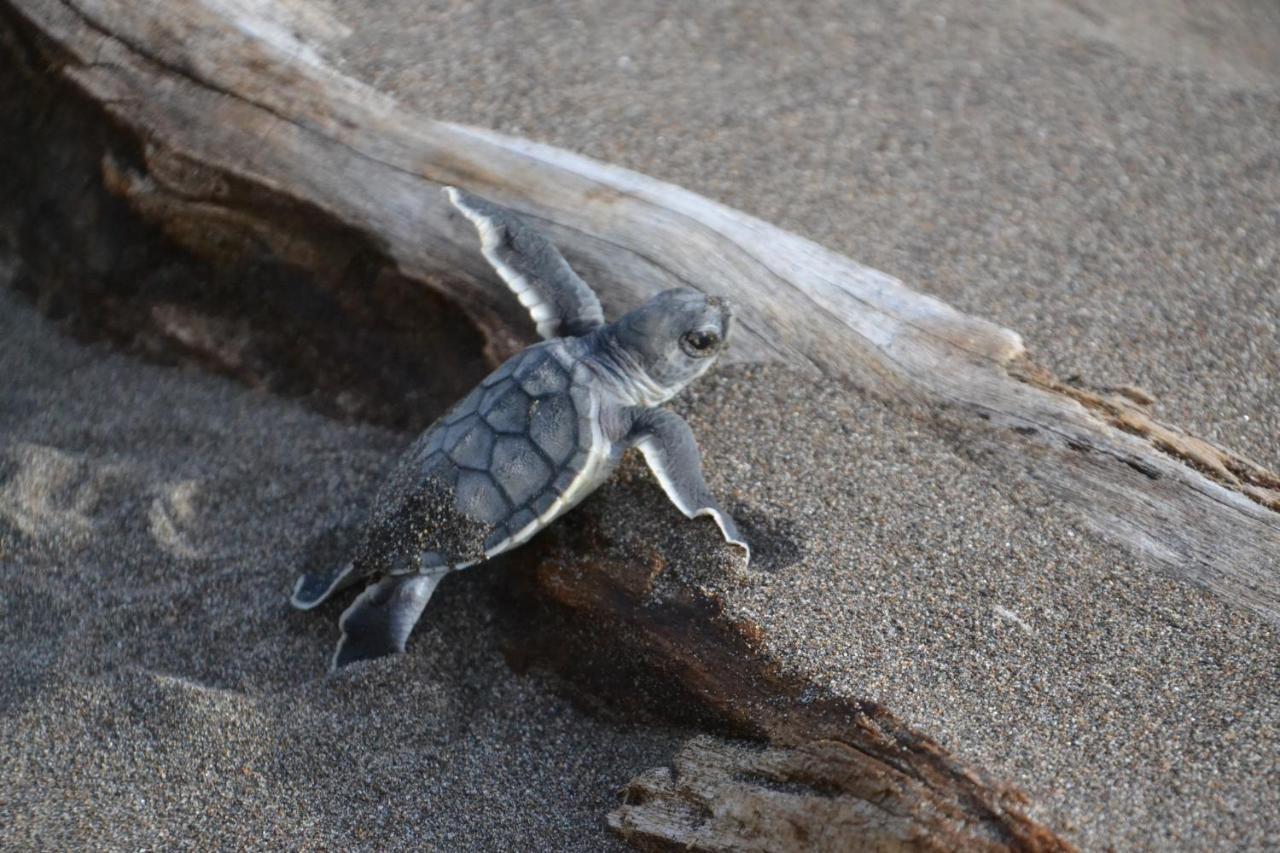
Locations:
column 700, row 344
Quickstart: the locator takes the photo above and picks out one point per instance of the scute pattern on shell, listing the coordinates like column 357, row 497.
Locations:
column 486, row 470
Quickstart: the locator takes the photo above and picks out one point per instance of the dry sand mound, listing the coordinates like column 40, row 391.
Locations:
column 158, row 688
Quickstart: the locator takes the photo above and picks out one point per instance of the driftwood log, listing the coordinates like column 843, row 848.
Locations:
column 835, row 773
column 231, row 135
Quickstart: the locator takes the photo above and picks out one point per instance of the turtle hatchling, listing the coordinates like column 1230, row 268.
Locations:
column 536, row 437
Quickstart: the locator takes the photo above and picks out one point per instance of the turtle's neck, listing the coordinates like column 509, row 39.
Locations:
column 622, row 373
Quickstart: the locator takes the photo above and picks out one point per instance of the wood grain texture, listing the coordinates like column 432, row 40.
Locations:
column 721, row 795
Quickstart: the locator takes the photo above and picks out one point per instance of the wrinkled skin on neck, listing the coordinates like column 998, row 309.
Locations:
column 652, row 353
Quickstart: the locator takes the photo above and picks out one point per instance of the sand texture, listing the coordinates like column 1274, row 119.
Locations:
column 896, row 566
column 154, row 519
column 160, row 692
column 1041, row 164
column 1106, row 183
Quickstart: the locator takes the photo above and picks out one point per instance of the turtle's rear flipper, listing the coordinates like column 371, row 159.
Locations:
column 379, row 621
column 314, row 588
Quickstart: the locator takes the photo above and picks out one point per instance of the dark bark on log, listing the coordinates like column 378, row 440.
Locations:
column 816, row 796
column 620, row 620
column 326, row 319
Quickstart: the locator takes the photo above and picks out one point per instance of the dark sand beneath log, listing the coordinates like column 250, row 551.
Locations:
column 1106, row 183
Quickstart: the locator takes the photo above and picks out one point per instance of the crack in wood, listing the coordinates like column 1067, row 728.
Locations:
column 1124, row 409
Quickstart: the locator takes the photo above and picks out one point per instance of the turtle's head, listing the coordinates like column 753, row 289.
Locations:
column 673, row 338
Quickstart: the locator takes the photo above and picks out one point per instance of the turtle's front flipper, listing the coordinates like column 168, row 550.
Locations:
column 378, row 622
column 313, row 588
column 561, row 303
column 672, row 453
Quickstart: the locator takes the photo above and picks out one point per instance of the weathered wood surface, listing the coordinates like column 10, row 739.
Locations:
column 233, row 93
column 734, row 796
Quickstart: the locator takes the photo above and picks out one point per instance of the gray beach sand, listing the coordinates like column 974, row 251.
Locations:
column 1106, row 183
column 1048, row 167
column 153, row 520
column 1138, row 711
column 159, row 691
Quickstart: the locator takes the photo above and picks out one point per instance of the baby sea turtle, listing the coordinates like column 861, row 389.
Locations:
column 536, row 437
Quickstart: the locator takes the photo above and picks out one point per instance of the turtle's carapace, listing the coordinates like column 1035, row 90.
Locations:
column 537, row 436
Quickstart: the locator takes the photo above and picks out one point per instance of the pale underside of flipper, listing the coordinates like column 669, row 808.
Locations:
column 314, row 588
column 560, row 302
